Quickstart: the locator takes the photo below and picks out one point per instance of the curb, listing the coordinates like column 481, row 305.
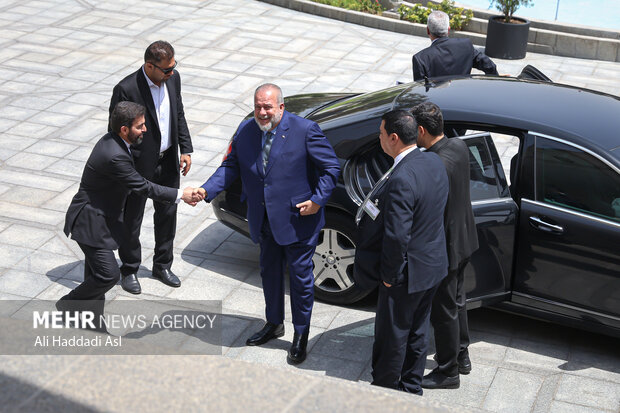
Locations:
column 544, row 37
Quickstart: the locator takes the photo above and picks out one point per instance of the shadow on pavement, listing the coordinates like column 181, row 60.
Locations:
column 20, row 396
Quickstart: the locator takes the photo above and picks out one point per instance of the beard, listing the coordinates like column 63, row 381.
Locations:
column 275, row 119
column 135, row 139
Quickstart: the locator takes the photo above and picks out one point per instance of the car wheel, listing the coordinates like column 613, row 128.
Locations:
column 333, row 261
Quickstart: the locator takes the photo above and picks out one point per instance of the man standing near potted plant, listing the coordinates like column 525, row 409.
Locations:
column 448, row 56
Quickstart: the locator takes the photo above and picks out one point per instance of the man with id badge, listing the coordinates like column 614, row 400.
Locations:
column 403, row 250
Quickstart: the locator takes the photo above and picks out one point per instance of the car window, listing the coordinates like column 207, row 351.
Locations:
column 571, row 178
column 482, row 182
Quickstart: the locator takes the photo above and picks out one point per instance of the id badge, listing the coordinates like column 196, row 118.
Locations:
column 371, row 209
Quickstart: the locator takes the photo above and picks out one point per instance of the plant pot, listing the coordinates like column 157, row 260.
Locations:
column 507, row 40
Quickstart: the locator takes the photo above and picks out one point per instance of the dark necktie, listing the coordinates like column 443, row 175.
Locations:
column 267, row 149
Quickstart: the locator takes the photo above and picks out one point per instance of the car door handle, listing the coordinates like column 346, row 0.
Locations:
column 538, row 223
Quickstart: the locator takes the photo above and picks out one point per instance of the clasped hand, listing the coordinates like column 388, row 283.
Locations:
column 192, row 196
column 308, row 207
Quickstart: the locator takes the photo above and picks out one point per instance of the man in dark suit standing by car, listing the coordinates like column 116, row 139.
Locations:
column 446, row 56
column 413, row 255
column 95, row 217
column 449, row 313
column 288, row 170
column 157, row 86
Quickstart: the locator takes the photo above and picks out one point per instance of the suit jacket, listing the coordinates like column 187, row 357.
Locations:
column 95, row 216
column 302, row 165
column 460, row 226
column 369, row 237
column 414, row 244
column 134, row 88
column 450, row 57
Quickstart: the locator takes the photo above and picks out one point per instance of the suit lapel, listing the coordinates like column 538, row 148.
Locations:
column 257, row 149
column 279, row 140
column 172, row 97
column 147, row 98
column 123, row 146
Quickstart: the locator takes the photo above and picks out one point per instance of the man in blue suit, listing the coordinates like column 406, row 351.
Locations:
column 413, row 258
column 288, row 170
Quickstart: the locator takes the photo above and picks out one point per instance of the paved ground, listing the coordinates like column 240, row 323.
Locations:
column 60, row 60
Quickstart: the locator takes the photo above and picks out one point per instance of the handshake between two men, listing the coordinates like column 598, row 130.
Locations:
column 191, row 196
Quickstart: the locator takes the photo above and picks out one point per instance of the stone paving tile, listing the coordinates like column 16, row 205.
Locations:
column 212, row 269
column 61, row 245
column 546, row 394
column 359, row 319
column 246, row 301
column 193, row 289
column 51, row 265
column 24, row 196
column 344, row 345
column 51, row 148
column 57, row 289
column 512, row 392
column 31, row 214
column 9, row 256
column 536, row 354
column 16, row 143
column 66, row 167
column 207, row 237
column 25, row 236
column 234, row 250
column 6, row 154
column 561, row 407
column 16, row 113
column 23, row 283
column 466, row 395
column 33, row 161
column 4, row 225
column 588, row 392
column 34, row 181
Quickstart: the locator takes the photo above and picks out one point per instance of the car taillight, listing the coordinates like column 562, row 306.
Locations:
column 229, row 149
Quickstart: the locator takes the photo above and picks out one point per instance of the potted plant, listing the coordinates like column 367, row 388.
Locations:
column 507, row 35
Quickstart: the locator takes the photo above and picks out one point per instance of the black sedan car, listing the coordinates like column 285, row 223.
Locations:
column 549, row 241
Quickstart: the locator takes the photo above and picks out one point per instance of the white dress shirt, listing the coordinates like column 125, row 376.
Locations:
column 161, row 100
column 401, row 155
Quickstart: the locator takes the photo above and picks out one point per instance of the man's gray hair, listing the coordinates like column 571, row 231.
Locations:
column 279, row 97
column 438, row 23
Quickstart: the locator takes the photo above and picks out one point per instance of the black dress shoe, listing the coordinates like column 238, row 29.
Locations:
column 297, row 353
column 267, row 333
column 130, row 283
column 437, row 380
column 464, row 362
column 167, row 277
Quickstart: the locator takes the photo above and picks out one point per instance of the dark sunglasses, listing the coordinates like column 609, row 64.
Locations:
column 166, row 71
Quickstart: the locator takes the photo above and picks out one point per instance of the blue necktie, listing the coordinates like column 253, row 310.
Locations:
column 267, row 149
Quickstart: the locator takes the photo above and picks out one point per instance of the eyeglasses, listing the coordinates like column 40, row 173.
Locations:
column 166, row 71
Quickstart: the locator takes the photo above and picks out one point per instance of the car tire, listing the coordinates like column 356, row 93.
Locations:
column 333, row 261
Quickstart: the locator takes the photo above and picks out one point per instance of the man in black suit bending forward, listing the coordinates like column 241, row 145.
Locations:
column 95, row 217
